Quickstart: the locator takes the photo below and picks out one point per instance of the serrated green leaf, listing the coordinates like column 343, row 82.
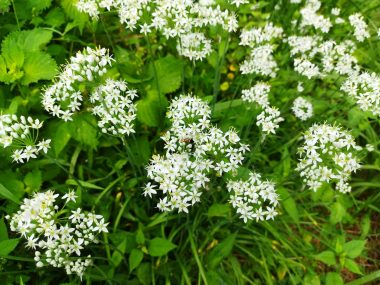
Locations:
column 169, row 74
column 37, row 66
column 327, row 257
column 12, row 52
column 221, row 251
column 31, row 8
column 7, row 246
column 333, row 278
column 135, row 258
column 354, row 248
column 160, row 246
column 352, row 266
column 32, row 40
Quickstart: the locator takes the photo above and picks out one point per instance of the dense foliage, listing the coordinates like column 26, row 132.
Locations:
column 189, row 142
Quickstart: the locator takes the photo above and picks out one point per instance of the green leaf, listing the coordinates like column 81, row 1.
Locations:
column 219, row 210
column 169, row 74
column 84, row 184
column 150, row 108
column 5, row 193
column 337, row 213
column 311, row 279
column 32, row 40
column 354, row 248
column 140, row 152
column 80, row 19
column 333, row 278
column 352, row 266
column 7, row 246
column 118, row 254
column 33, row 180
column 327, row 257
column 37, row 66
column 221, row 251
column 3, row 230
column 160, row 246
column 84, row 129
column 135, row 258
column 60, row 138
column 144, row 273
column 12, row 52
column 288, row 203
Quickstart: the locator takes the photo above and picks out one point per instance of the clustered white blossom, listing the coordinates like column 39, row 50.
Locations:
column 194, row 150
column 179, row 19
column 302, row 108
column 269, row 118
column 361, row 29
column 310, row 17
column 58, row 241
column 64, row 98
column 195, row 46
column 253, row 198
column 365, row 89
column 21, row 134
column 314, row 57
column 328, row 155
column 260, row 60
column 114, row 106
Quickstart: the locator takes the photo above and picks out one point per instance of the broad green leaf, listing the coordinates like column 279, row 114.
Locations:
column 61, row 137
column 79, row 18
column 327, row 257
column 29, row 9
column 37, row 66
column 33, row 180
column 7, row 246
column 5, row 193
column 12, row 52
column 219, row 210
column 144, row 273
column 354, row 248
column 337, row 213
column 135, row 258
column 333, row 278
column 352, row 266
column 118, row 254
column 150, row 109
column 169, row 74
column 221, row 251
column 3, row 230
column 312, row 279
column 32, row 40
column 160, row 246
column 84, row 129
column 288, row 203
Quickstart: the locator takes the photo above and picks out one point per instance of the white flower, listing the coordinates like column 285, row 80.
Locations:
column 70, row 196
column 302, row 108
column 361, row 29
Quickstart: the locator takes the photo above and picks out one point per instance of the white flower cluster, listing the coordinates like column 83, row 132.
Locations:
column 195, row 46
column 257, row 94
column 269, row 118
column 260, row 60
column 57, row 244
column 63, row 98
column 251, row 196
column 361, row 29
column 328, row 156
column 310, row 17
column 365, row 88
column 114, row 106
column 21, row 133
column 194, row 149
column 302, row 108
column 314, row 57
column 174, row 19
